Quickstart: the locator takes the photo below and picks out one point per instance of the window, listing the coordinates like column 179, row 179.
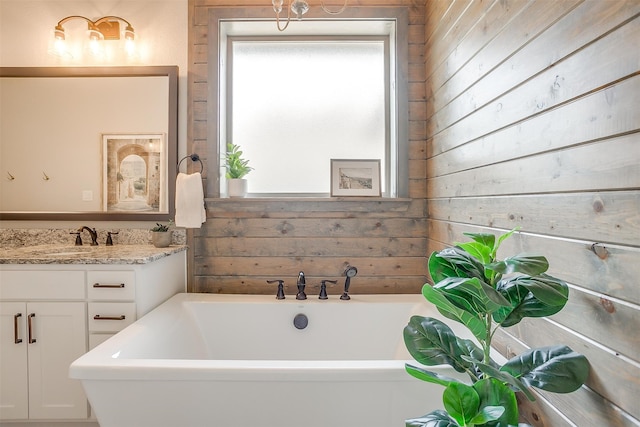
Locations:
column 296, row 101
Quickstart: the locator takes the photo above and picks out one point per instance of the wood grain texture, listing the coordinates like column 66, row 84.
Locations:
column 535, row 124
column 522, row 114
column 246, row 241
column 605, row 113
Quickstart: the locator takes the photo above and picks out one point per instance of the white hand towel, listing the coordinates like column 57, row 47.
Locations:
column 190, row 211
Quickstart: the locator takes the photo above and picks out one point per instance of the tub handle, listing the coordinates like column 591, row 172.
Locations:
column 30, row 324
column 108, row 285
column 16, row 339
column 98, row 317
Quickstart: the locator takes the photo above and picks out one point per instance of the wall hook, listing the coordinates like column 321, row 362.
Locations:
column 45, row 176
column 10, row 177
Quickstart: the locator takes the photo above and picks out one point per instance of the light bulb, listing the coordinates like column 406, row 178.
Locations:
column 130, row 47
column 129, row 33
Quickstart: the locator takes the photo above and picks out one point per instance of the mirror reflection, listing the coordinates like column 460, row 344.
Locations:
column 69, row 138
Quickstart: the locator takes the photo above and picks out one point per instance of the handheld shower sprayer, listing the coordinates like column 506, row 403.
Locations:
column 350, row 272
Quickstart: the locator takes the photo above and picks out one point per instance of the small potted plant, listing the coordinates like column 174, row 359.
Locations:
column 237, row 169
column 473, row 287
column 160, row 235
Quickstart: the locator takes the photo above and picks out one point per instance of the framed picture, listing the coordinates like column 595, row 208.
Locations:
column 134, row 177
column 357, row 177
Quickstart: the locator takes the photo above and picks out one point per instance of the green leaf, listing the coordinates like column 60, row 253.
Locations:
column 485, row 239
column 557, row 369
column 494, row 393
column 429, row 376
column 547, row 289
column 531, row 265
column 236, row 167
column 505, row 377
column 438, row 418
column 447, row 308
column 461, row 402
column 440, row 268
column 431, row 342
column 479, row 251
column 502, row 238
column 454, row 262
column 486, row 414
column 539, row 296
column 472, row 294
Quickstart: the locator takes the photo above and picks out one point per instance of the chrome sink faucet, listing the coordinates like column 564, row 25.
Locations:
column 92, row 232
column 301, row 284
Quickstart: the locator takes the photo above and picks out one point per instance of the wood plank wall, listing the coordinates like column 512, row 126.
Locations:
column 531, row 119
column 244, row 243
column 533, row 112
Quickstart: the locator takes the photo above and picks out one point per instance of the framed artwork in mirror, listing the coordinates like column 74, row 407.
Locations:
column 134, row 176
column 355, row 177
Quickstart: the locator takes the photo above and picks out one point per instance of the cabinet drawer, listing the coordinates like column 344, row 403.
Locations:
column 111, row 285
column 110, row 316
column 41, row 285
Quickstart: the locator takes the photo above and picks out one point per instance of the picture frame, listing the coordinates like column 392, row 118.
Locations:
column 134, row 173
column 355, row 177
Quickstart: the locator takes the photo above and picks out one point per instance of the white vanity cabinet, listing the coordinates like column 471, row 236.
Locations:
column 42, row 330
column 51, row 314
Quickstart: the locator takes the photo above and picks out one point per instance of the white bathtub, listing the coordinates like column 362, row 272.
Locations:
column 237, row 360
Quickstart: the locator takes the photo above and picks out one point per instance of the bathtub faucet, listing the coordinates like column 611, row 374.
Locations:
column 280, row 282
column 301, row 284
column 350, row 272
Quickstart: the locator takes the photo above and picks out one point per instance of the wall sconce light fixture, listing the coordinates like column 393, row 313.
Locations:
column 299, row 8
column 105, row 28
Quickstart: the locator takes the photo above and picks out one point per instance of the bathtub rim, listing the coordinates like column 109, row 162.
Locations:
column 102, row 363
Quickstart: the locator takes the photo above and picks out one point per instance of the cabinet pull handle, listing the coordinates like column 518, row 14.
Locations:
column 98, row 317
column 107, row 285
column 30, row 323
column 16, row 340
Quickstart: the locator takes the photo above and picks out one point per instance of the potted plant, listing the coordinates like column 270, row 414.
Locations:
column 483, row 293
column 160, row 235
column 237, row 169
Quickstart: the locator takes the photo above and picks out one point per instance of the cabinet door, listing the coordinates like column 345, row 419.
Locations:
column 13, row 361
column 59, row 330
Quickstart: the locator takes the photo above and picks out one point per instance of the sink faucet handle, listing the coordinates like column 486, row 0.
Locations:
column 280, row 294
column 323, row 288
column 78, row 238
column 109, row 239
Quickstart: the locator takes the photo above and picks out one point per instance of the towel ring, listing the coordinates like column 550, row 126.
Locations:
column 194, row 158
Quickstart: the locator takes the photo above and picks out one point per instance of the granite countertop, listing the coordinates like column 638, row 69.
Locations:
column 69, row 254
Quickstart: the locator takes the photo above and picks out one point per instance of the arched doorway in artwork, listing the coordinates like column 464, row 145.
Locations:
column 133, row 174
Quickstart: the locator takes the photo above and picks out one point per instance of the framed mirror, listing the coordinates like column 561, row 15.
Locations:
column 88, row 143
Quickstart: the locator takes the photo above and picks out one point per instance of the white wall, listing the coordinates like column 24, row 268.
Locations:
column 26, row 31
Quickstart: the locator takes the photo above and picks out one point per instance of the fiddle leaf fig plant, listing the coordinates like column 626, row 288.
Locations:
column 236, row 166
column 474, row 288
